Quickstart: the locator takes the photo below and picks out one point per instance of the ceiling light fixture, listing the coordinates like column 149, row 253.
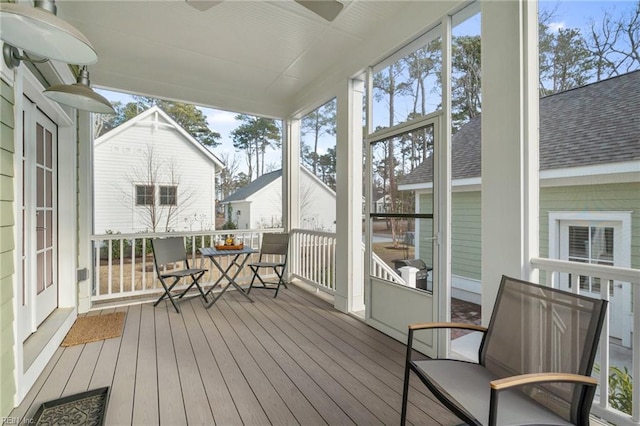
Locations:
column 39, row 31
column 80, row 95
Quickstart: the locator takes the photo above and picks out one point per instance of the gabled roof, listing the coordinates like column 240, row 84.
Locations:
column 594, row 124
column 255, row 186
column 146, row 115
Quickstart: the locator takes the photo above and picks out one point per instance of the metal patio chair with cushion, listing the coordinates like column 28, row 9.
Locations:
column 167, row 252
column 273, row 258
column 535, row 360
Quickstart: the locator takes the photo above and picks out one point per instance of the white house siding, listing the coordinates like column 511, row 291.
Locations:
column 263, row 208
column 7, row 249
column 118, row 166
column 317, row 204
column 266, row 206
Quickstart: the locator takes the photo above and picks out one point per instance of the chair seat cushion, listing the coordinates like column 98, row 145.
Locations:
column 183, row 272
column 467, row 386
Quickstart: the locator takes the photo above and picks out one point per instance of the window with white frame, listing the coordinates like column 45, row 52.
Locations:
column 168, row 195
column 145, row 195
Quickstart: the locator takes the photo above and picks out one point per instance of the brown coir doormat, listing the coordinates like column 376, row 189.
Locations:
column 93, row 328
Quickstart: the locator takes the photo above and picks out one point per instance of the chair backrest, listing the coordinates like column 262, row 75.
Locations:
column 275, row 244
column 536, row 329
column 168, row 250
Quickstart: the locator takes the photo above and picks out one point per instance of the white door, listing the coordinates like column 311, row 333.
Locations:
column 39, row 281
column 598, row 242
column 401, row 235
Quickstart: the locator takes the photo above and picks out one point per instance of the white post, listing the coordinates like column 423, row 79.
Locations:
column 408, row 274
column 349, row 294
column 509, row 143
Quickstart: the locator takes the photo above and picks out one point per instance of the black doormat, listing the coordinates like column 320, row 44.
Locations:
column 82, row 409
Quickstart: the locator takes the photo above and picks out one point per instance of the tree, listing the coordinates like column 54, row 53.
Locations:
column 189, row 117
column 226, row 179
column 327, row 165
column 254, row 136
column 615, row 43
column 466, row 84
column 321, row 121
column 565, row 60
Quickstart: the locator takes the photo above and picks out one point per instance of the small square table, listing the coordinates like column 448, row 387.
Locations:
column 240, row 257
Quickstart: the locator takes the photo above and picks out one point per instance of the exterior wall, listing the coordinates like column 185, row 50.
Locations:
column 466, row 238
column 242, row 220
column 119, row 164
column 592, row 198
column 263, row 209
column 317, row 205
column 266, row 206
column 7, row 249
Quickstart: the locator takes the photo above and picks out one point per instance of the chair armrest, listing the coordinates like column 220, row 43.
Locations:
column 461, row 325
column 436, row 325
column 530, row 379
column 533, row 378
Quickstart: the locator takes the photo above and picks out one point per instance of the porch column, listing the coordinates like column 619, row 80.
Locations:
column 349, row 266
column 85, row 211
column 509, row 143
column 291, row 175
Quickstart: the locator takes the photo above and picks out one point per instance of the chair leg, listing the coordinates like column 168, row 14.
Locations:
column 405, row 396
column 194, row 281
column 255, row 273
column 280, row 281
column 167, row 293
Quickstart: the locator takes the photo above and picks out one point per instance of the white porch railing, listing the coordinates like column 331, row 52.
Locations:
column 550, row 271
column 124, row 268
column 312, row 258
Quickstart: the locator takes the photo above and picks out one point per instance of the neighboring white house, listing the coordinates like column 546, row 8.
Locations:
column 381, row 205
column 259, row 204
column 151, row 175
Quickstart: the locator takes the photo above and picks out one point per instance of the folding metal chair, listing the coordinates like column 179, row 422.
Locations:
column 273, row 256
column 168, row 251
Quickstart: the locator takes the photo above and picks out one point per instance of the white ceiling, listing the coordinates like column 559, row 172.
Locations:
column 244, row 56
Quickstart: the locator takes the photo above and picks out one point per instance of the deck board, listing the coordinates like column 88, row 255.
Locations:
column 289, row 360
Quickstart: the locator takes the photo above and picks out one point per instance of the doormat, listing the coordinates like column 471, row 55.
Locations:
column 82, row 409
column 93, row 328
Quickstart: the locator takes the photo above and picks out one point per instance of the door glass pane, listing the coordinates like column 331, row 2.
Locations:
column 401, row 225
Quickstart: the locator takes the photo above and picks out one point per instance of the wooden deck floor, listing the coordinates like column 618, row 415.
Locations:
column 290, row 360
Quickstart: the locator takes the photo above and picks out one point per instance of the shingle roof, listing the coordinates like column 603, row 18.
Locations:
column 593, row 124
column 253, row 187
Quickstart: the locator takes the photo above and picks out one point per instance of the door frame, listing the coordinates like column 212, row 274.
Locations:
column 28, row 365
column 379, row 293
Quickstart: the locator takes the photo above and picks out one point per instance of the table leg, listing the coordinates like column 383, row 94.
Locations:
column 231, row 280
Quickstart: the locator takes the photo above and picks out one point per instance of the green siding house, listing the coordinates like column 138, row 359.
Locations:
column 589, row 186
column 7, row 246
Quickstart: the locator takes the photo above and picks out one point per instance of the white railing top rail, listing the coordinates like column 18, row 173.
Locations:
column 611, row 272
column 314, row 233
column 104, row 237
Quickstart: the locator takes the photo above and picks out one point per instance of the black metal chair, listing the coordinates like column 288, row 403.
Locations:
column 273, row 257
column 166, row 253
column 535, row 360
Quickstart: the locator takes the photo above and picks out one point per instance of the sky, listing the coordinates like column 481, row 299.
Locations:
column 568, row 14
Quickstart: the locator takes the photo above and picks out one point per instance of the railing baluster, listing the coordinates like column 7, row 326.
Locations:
column 557, row 270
